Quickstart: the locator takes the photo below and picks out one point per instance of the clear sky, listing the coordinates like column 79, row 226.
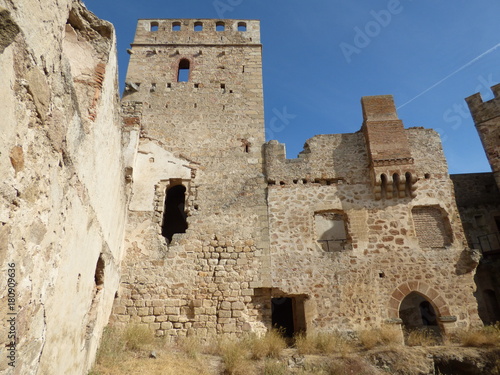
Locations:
column 322, row 56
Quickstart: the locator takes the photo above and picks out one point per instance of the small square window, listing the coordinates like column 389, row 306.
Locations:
column 176, row 26
column 198, row 26
column 220, row 26
column 242, row 26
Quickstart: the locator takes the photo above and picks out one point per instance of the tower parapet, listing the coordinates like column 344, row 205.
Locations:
column 197, row 32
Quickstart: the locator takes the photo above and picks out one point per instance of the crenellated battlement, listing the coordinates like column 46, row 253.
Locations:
column 197, row 32
column 486, row 117
column 482, row 111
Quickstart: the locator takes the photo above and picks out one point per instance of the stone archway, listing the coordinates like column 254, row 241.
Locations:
column 431, row 295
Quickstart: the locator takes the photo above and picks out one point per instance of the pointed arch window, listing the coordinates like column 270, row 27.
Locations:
column 184, row 71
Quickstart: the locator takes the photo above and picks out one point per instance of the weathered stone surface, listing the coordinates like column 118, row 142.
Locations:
column 62, row 194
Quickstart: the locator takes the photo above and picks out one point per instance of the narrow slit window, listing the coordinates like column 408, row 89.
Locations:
column 383, row 185
column 198, row 26
column 220, row 26
column 176, row 26
column 408, row 184
column 184, row 71
column 395, row 185
column 242, row 26
column 154, row 26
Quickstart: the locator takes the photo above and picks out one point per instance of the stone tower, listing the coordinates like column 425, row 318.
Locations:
column 486, row 117
column 194, row 130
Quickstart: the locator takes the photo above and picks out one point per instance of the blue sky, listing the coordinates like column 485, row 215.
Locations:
column 322, row 56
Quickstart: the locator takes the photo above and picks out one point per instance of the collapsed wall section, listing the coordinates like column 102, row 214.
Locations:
column 62, row 195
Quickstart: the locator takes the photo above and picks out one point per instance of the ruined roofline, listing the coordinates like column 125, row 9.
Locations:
column 481, row 110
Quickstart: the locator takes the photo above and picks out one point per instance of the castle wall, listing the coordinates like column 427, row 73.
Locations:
column 342, row 234
column 62, row 195
column 357, row 285
column 478, row 201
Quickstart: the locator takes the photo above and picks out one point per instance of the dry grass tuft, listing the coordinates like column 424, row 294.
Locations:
column 192, row 345
column 488, row 336
column 273, row 367
column 388, row 336
column 138, row 337
column 268, row 346
column 323, row 343
column 422, row 337
column 235, row 357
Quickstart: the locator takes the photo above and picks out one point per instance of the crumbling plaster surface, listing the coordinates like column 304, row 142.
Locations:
column 153, row 164
column 62, row 194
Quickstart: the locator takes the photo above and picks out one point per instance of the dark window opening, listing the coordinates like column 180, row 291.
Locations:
column 174, row 215
column 99, row 273
column 176, row 26
column 198, row 26
column 220, row 26
column 154, row 26
column 408, row 184
column 242, row 26
column 383, row 186
column 184, row 70
column 395, row 185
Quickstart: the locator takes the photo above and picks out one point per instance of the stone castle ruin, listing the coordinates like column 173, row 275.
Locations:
column 226, row 235
column 171, row 210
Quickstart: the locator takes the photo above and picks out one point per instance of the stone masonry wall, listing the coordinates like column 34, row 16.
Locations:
column 206, row 134
column 254, row 217
column 363, row 284
column 62, row 194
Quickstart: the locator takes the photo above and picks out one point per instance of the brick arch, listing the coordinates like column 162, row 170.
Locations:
column 421, row 288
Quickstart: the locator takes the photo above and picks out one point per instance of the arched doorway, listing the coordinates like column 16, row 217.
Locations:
column 417, row 313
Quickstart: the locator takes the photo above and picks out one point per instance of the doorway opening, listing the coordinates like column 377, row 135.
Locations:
column 288, row 315
column 417, row 313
